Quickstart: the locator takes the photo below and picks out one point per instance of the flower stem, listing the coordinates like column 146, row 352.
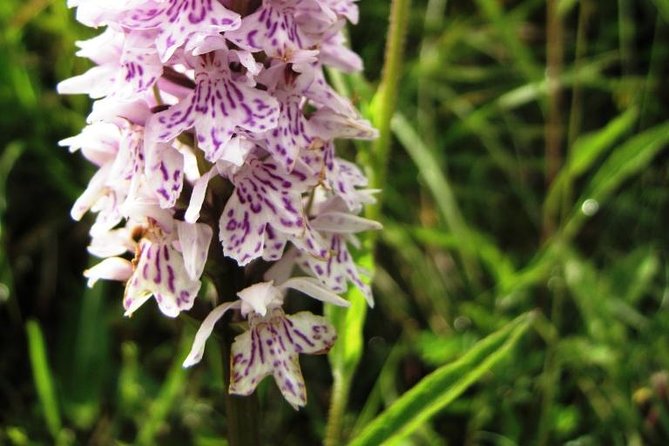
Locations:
column 385, row 100
column 554, row 127
column 340, row 389
column 376, row 166
column 242, row 412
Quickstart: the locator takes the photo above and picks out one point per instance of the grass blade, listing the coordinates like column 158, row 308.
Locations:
column 167, row 398
column 438, row 185
column 442, row 386
column 627, row 160
column 42, row 377
column 586, row 150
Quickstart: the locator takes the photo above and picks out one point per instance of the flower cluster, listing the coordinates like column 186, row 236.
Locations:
column 214, row 119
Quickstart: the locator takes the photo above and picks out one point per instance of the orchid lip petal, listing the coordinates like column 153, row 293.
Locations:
column 131, row 305
column 265, row 210
column 272, row 346
column 160, row 271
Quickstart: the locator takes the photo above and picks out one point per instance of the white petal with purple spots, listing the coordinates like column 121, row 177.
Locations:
column 180, row 22
column 265, row 207
column 217, row 109
column 272, row 346
column 272, row 29
column 165, row 173
column 160, row 272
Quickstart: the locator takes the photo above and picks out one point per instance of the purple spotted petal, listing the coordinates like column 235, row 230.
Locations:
column 344, row 8
column 337, row 269
column 165, row 173
column 290, row 136
column 342, row 178
column 128, row 65
column 322, row 94
column 315, row 18
column 248, row 367
column 272, row 346
column 275, row 244
column 141, row 66
column 120, row 153
column 348, row 182
column 160, row 271
column 328, row 125
column 264, row 197
column 272, row 29
column 218, row 108
column 179, row 22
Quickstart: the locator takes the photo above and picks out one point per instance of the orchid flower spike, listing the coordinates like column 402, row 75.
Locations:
column 213, row 131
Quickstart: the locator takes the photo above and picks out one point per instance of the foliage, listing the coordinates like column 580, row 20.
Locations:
column 476, row 234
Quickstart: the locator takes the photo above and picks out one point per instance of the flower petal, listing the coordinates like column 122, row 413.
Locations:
column 198, row 195
column 336, row 270
column 311, row 334
column 113, row 268
column 313, row 288
column 258, row 297
column 160, row 272
column 204, row 332
column 327, row 125
column 343, row 223
column 264, row 197
column 286, row 140
column 194, row 239
column 181, row 21
column 218, row 108
column 249, row 363
column 272, row 345
column 272, row 28
column 165, row 173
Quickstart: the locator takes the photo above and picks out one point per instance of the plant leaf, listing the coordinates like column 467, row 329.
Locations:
column 443, row 386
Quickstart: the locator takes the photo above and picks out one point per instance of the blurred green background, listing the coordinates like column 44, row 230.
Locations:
column 528, row 172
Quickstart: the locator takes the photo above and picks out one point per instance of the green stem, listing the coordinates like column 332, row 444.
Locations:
column 340, row 389
column 577, row 105
column 385, row 100
column 242, row 412
column 553, row 128
column 376, row 166
column 551, row 372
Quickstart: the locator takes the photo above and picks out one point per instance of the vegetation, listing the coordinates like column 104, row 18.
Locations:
column 521, row 279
